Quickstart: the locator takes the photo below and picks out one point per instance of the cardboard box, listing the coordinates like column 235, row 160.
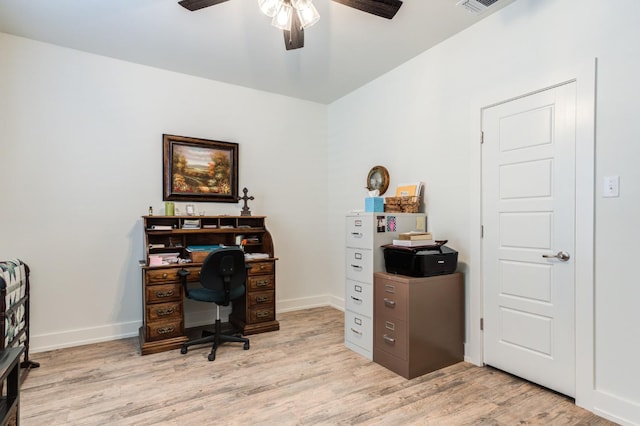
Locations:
column 374, row 204
column 198, row 254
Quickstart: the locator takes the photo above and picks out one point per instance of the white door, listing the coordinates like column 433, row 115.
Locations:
column 528, row 214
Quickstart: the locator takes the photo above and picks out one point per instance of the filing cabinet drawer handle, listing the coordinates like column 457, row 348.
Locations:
column 389, row 302
column 164, row 312
column 165, row 330
column 357, row 234
column 164, row 293
column 389, row 289
column 358, row 267
column 389, row 339
column 359, row 333
column 356, row 299
column 262, row 314
column 262, row 299
column 262, row 283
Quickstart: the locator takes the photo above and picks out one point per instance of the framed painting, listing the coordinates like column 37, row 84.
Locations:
column 199, row 170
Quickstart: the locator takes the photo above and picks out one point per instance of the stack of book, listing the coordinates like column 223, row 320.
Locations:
column 191, row 224
column 414, row 239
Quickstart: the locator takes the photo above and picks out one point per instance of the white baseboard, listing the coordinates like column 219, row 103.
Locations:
column 193, row 317
column 83, row 336
column 626, row 412
column 309, row 302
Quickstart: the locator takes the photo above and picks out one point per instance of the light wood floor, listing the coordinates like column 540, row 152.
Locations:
column 300, row 375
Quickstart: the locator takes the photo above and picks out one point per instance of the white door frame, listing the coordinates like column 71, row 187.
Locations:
column 523, row 84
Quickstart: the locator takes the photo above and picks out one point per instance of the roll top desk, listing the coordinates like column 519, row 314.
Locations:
column 162, row 293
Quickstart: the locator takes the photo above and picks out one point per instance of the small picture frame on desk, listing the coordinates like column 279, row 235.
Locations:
column 191, row 210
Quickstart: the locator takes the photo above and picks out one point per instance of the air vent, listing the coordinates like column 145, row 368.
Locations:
column 475, row 6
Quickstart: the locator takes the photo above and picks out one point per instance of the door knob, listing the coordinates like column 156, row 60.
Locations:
column 561, row 255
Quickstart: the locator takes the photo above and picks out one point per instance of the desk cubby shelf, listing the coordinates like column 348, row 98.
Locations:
column 228, row 228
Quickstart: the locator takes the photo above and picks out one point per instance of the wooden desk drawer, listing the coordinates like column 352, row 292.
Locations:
column 164, row 311
column 262, row 299
column 261, row 282
column 261, row 314
column 157, row 276
column 164, row 329
column 261, row 268
column 163, row 293
column 390, row 335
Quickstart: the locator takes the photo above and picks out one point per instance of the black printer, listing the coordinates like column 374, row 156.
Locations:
column 420, row 261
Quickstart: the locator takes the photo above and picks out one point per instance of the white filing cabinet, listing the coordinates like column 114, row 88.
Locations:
column 366, row 232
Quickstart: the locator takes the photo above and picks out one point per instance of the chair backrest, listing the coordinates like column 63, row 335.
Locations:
column 223, row 270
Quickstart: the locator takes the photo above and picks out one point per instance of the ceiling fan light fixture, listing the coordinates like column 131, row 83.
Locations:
column 307, row 13
column 269, row 7
column 282, row 18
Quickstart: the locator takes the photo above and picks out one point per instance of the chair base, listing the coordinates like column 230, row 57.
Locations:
column 217, row 338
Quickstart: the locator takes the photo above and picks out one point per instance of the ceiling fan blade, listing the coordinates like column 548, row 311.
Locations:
column 294, row 39
column 385, row 8
column 198, row 4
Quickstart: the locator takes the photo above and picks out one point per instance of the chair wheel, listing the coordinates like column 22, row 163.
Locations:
column 212, row 356
column 183, row 350
column 246, row 346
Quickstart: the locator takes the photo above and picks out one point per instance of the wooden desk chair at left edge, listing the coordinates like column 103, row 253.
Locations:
column 14, row 310
column 222, row 276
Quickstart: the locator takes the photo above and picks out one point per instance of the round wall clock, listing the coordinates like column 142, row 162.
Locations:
column 378, row 178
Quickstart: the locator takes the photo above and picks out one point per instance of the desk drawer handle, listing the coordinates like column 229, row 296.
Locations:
column 262, row 299
column 263, row 314
column 356, row 299
column 164, row 293
column 166, row 330
column 389, row 339
column 359, row 333
column 164, row 312
column 262, row 283
column 262, row 267
column 165, row 275
column 389, row 302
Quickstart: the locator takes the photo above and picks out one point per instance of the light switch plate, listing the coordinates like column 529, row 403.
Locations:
column 611, row 186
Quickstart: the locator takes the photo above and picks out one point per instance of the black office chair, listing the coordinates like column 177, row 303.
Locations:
column 222, row 276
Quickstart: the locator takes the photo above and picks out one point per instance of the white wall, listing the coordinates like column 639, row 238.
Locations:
column 417, row 121
column 81, row 161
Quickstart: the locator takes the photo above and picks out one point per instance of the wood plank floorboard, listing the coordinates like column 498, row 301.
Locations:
column 300, row 375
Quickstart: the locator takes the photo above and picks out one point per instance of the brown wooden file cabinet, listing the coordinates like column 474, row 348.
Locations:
column 418, row 322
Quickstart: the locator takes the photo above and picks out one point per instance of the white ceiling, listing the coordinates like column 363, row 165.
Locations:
column 234, row 42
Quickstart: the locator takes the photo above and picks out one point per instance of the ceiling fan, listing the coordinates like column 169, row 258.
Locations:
column 293, row 16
